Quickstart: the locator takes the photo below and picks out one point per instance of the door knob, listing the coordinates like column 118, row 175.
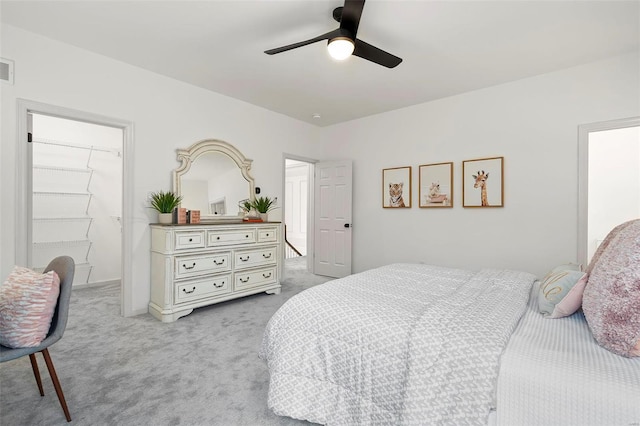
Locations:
column 348, row 225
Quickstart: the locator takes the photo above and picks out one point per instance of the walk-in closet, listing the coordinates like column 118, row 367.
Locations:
column 76, row 202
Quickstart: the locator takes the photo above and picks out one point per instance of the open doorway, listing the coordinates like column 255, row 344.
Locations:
column 76, row 197
column 609, row 178
column 296, row 207
column 24, row 202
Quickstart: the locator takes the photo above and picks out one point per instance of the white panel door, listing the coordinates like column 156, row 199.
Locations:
column 332, row 201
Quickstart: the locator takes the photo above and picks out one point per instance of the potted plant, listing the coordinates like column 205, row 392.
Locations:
column 164, row 203
column 264, row 205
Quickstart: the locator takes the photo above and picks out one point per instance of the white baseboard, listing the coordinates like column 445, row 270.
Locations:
column 96, row 284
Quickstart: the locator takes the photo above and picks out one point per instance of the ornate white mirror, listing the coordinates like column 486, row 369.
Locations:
column 214, row 178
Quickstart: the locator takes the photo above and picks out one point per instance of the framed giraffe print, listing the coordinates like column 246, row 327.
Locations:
column 483, row 182
column 436, row 185
column 396, row 187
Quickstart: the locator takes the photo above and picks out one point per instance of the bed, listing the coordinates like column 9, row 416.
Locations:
column 415, row 344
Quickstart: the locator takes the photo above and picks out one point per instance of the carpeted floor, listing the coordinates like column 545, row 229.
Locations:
column 200, row 370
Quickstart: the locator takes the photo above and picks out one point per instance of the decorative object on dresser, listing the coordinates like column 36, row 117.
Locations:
column 263, row 205
column 213, row 177
column 199, row 265
column 165, row 203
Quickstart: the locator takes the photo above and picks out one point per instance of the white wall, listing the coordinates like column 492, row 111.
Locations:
column 167, row 114
column 532, row 123
column 614, row 181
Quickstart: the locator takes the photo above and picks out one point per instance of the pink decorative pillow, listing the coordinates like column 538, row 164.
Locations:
column 611, row 301
column 27, row 302
column 604, row 244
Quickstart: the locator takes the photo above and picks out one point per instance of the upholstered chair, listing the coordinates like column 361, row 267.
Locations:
column 64, row 266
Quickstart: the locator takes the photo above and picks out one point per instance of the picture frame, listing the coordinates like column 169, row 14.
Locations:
column 435, row 185
column 483, row 182
column 396, row 187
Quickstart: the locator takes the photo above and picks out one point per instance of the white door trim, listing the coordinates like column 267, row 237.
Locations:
column 583, row 176
column 23, row 166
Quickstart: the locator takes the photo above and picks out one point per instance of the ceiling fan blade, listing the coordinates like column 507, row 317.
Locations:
column 351, row 13
column 325, row 36
column 373, row 54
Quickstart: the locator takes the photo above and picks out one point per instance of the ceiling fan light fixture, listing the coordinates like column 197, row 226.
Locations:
column 340, row 48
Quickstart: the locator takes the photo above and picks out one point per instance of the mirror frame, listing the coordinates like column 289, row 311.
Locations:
column 207, row 146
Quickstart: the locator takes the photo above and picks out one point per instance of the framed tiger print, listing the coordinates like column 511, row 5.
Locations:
column 396, row 187
column 483, row 182
column 436, row 185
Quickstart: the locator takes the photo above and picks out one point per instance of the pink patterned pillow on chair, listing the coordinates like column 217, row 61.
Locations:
column 28, row 300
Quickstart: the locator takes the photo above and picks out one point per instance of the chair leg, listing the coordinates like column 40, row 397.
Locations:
column 56, row 383
column 36, row 372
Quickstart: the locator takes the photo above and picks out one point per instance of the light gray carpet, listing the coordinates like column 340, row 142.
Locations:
column 200, row 370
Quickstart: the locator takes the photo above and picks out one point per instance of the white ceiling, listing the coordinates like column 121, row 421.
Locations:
column 448, row 47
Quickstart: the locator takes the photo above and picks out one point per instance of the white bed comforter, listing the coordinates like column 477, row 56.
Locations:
column 405, row 344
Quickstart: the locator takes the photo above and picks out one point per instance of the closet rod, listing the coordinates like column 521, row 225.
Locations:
column 71, row 145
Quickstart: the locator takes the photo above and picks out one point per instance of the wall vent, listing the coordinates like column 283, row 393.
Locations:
column 6, row 70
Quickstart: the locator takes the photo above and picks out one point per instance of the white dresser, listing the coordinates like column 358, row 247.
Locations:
column 202, row 264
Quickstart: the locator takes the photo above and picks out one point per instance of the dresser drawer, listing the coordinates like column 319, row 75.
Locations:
column 227, row 237
column 203, row 288
column 267, row 235
column 254, row 257
column 189, row 239
column 250, row 279
column 189, row 266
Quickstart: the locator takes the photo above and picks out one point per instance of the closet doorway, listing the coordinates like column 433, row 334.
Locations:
column 119, row 217
column 76, row 197
column 609, row 180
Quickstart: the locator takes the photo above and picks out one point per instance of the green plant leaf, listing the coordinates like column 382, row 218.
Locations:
column 165, row 202
column 263, row 204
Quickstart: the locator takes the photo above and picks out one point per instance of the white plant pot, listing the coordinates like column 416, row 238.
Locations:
column 264, row 217
column 165, row 218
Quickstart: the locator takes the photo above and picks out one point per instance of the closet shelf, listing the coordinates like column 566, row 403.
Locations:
column 49, row 193
column 63, row 243
column 78, row 146
column 64, row 219
column 64, row 169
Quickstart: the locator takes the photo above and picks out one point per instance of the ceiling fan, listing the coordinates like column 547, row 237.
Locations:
column 343, row 42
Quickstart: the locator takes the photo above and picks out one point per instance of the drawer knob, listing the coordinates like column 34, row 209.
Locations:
column 266, row 255
column 246, row 280
column 217, row 238
column 216, row 285
column 267, row 235
column 189, row 267
column 246, row 236
column 190, row 291
column 218, row 263
column 267, row 275
column 190, row 239
column 244, row 259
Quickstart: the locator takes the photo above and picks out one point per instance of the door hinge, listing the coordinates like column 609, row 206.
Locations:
column 29, row 137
